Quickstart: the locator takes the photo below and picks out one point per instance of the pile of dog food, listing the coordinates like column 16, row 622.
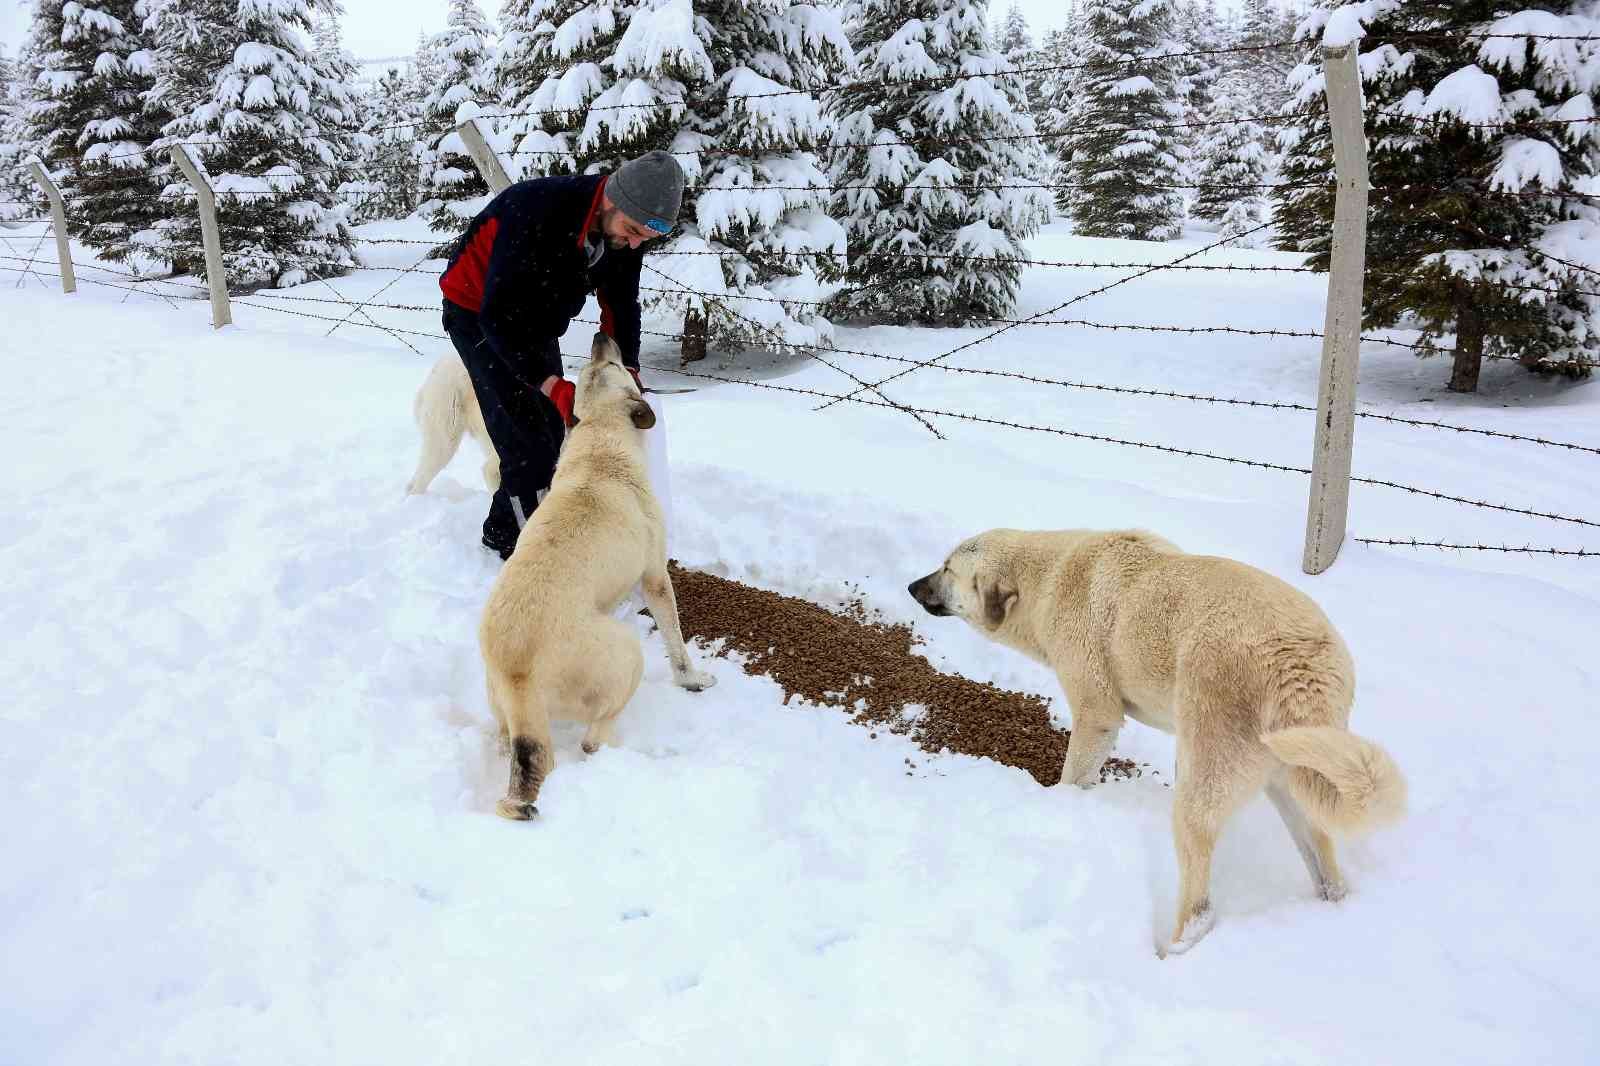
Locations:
column 852, row 660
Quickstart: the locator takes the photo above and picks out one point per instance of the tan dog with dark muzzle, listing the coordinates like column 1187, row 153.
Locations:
column 1242, row 667
column 551, row 646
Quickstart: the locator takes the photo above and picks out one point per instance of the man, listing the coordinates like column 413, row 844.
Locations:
column 517, row 278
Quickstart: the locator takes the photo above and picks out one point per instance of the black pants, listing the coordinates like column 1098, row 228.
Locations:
column 524, row 425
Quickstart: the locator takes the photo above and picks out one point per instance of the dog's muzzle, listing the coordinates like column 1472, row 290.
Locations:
column 923, row 592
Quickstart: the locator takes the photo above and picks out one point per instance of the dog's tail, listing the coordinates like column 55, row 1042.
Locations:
column 439, row 401
column 1345, row 783
column 440, row 413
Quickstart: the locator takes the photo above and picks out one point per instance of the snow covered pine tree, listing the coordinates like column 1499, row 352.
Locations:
column 1198, row 31
column 754, row 136
column 589, row 84
column 341, row 124
column 1232, row 163
column 727, row 88
column 1012, row 39
column 1263, row 28
column 940, row 169
column 258, row 115
column 386, row 184
column 455, row 190
column 1124, row 173
column 568, row 109
column 1481, row 148
column 17, row 190
column 87, row 119
column 1054, row 89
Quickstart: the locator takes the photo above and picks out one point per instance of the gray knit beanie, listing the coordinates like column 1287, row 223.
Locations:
column 649, row 190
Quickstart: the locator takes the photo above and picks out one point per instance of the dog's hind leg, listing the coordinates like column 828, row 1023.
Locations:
column 500, row 720
column 1214, row 781
column 439, row 422
column 1315, row 846
column 624, row 668
column 527, row 725
column 598, row 734
column 658, row 596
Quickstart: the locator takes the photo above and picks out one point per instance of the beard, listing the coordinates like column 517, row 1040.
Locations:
column 608, row 217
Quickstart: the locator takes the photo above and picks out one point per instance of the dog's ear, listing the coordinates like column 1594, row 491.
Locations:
column 997, row 595
column 641, row 413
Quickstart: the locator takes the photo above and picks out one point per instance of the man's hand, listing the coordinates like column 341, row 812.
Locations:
column 636, row 379
column 561, row 392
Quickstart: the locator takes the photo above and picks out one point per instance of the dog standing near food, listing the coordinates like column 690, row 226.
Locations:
column 552, row 648
column 1245, row 669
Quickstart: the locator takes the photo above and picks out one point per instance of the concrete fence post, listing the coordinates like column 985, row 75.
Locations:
column 216, row 275
column 1341, row 343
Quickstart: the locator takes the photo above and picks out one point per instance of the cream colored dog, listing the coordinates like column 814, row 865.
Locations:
column 1243, row 668
column 445, row 409
column 551, row 646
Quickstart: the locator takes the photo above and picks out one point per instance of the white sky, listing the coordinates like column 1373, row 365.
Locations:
column 13, row 23
column 378, row 28
column 375, row 29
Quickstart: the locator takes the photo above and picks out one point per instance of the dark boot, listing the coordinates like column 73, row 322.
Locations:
column 507, row 515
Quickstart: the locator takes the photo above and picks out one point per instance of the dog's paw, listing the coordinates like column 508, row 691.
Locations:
column 1198, row 925
column 1083, row 779
column 516, row 810
column 694, row 680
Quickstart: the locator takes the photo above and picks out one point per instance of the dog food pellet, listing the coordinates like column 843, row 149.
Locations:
column 852, row 660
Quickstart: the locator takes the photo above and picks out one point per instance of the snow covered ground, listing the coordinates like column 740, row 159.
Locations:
column 250, row 772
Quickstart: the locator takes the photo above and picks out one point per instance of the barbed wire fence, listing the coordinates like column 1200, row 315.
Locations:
column 11, row 237
column 355, row 312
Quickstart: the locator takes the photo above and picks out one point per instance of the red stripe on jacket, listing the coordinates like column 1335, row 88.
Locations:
column 608, row 322
column 463, row 282
column 594, row 209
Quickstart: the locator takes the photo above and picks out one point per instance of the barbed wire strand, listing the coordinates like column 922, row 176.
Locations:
column 1191, row 267
column 1412, row 542
column 715, row 298
column 361, row 310
column 1063, row 306
column 385, row 287
column 133, row 289
column 395, row 330
column 944, row 80
column 832, row 398
column 33, row 255
column 183, row 191
column 1532, row 194
column 941, row 81
column 810, row 350
column 1424, row 349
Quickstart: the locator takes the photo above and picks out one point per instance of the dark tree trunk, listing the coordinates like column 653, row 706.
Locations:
column 1469, row 344
column 694, row 335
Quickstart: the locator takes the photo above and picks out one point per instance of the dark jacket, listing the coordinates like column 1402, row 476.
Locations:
column 522, row 268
